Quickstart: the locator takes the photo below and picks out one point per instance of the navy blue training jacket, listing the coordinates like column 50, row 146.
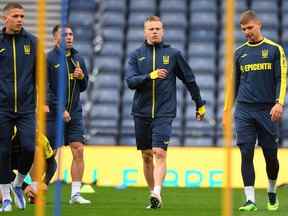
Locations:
column 260, row 73
column 17, row 72
column 157, row 98
column 73, row 86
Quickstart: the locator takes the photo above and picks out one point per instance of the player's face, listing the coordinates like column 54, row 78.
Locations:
column 68, row 36
column 153, row 32
column 13, row 20
column 252, row 30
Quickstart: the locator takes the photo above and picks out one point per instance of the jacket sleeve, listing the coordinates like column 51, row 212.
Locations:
column 237, row 75
column 52, row 98
column 184, row 73
column 280, row 70
column 229, row 98
column 83, row 83
column 133, row 78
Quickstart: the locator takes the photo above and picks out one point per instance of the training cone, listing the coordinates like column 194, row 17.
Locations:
column 87, row 189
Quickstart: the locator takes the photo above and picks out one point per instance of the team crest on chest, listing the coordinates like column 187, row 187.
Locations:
column 27, row 49
column 265, row 53
column 166, row 60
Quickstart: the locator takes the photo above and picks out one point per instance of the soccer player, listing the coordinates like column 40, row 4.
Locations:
column 152, row 71
column 76, row 81
column 260, row 88
column 17, row 100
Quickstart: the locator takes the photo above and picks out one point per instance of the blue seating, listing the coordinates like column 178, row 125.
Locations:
column 173, row 5
column 113, row 34
column 143, row 6
column 114, row 5
column 174, row 20
column 204, row 49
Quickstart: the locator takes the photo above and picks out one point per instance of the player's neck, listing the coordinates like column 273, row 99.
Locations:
column 11, row 31
column 257, row 40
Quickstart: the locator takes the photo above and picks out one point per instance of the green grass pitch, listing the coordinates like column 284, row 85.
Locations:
column 177, row 202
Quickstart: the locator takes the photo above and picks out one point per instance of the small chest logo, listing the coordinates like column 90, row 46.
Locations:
column 244, row 55
column 142, row 58
column 166, row 60
column 27, row 49
column 265, row 53
column 56, row 66
column 2, row 50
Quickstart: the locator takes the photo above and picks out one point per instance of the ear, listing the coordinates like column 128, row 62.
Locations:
column 3, row 18
column 259, row 23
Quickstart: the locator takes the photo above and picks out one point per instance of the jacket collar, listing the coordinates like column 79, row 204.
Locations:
column 161, row 44
column 22, row 32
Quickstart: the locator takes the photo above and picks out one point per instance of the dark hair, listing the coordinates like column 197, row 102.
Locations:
column 58, row 26
column 247, row 16
column 12, row 5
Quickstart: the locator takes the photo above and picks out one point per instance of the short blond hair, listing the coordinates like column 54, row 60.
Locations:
column 247, row 16
column 152, row 18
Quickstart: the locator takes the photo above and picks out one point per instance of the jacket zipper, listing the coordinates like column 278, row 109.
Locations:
column 154, row 84
column 74, row 84
column 15, row 75
column 68, row 76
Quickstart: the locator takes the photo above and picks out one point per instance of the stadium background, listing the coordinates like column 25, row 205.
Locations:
column 105, row 32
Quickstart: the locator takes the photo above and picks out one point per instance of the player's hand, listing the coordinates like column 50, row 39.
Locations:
column 66, row 116
column 276, row 112
column 200, row 113
column 46, row 109
column 78, row 73
column 159, row 74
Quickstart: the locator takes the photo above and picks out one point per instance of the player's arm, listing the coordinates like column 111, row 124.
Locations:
column 50, row 94
column 133, row 78
column 229, row 99
column 83, row 75
column 184, row 73
column 280, row 69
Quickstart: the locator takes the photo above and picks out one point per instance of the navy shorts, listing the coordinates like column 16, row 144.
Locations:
column 73, row 132
column 25, row 123
column 152, row 133
column 254, row 123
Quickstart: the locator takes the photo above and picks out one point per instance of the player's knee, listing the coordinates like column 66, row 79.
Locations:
column 246, row 153
column 147, row 157
column 159, row 153
column 78, row 151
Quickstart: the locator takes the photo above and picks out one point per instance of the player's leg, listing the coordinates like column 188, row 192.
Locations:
column 246, row 139
column 268, row 139
column 6, row 123
column 148, row 167
column 50, row 151
column 26, row 129
column 161, row 133
column 143, row 135
column 74, row 136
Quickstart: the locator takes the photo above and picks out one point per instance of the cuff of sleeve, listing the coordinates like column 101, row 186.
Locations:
column 280, row 102
column 153, row 75
column 200, row 103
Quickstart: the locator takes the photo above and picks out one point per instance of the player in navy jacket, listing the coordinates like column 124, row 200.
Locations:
column 17, row 100
column 76, row 82
column 152, row 71
column 260, row 89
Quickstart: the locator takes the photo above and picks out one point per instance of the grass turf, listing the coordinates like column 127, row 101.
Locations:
column 132, row 201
